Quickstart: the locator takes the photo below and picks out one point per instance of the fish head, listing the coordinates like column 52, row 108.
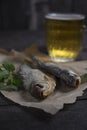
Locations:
column 41, row 90
column 75, row 77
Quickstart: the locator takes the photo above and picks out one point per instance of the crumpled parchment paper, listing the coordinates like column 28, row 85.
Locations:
column 52, row 104
column 55, row 101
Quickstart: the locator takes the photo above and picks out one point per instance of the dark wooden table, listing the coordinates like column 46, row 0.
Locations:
column 16, row 117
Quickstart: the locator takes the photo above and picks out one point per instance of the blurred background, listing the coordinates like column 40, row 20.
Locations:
column 22, row 22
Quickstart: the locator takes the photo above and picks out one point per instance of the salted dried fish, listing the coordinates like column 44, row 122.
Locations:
column 68, row 76
column 36, row 82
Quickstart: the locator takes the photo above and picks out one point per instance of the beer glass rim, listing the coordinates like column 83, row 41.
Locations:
column 59, row 16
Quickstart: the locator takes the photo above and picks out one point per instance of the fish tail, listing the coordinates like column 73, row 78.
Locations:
column 36, row 60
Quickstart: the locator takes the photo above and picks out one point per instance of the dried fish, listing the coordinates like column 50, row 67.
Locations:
column 70, row 78
column 37, row 83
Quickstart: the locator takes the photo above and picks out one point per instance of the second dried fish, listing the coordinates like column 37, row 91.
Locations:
column 70, row 78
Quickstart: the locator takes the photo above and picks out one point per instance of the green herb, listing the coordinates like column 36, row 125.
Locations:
column 8, row 66
column 8, row 78
column 84, row 78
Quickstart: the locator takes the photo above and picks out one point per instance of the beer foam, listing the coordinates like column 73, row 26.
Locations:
column 57, row 16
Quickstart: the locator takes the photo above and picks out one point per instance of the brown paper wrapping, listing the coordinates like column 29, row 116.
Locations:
column 55, row 101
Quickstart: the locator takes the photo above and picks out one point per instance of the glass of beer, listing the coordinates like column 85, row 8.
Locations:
column 64, row 35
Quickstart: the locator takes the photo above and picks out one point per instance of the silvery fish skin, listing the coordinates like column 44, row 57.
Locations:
column 70, row 78
column 37, row 83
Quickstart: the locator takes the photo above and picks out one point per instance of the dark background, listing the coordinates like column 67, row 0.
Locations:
column 17, row 14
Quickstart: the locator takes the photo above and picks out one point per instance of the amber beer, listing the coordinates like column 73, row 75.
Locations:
column 64, row 35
